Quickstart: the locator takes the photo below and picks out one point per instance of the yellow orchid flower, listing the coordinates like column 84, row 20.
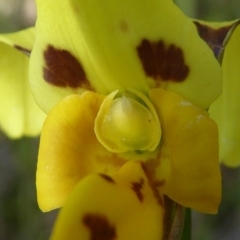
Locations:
column 124, row 86
column 19, row 114
column 155, row 85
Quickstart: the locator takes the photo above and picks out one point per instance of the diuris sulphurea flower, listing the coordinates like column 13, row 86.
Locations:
column 134, row 65
column 19, row 114
column 112, row 73
column 126, row 85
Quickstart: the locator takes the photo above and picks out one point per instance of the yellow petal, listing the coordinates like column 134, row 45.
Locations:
column 69, row 149
column 19, row 114
column 188, row 170
column 123, row 207
column 226, row 109
column 119, row 45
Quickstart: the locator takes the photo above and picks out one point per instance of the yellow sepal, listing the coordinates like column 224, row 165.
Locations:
column 226, row 109
column 69, row 149
column 19, row 114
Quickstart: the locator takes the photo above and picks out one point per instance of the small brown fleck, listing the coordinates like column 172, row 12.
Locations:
column 99, row 227
column 157, row 195
column 160, row 183
column 62, row 69
column 213, row 37
column 137, row 187
column 149, row 169
column 23, row 50
column 161, row 61
column 106, row 177
column 123, row 26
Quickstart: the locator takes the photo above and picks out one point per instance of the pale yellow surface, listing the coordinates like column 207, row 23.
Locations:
column 226, row 109
column 19, row 114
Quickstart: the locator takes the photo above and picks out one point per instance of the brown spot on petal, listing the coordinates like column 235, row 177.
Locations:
column 62, row 69
column 137, row 187
column 123, row 26
column 161, row 183
column 213, row 37
column 23, row 50
column 156, row 193
column 99, row 227
column 106, row 177
column 162, row 61
column 155, row 184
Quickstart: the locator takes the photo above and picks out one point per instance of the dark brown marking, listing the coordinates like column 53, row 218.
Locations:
column 158, row 60
column 155, row 184
column 106, row 177
column 161, row 183
column 62, row 69
column 137, row 187
column 156, row 193
column 99, row 227
column 213, row 37
column 23, row 50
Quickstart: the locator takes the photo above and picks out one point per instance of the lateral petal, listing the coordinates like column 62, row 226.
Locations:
column 188, row 169
column 226, row 109
column 69, row 149
column 19, row 113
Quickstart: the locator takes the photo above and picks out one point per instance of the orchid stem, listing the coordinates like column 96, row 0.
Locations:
column 178, row 223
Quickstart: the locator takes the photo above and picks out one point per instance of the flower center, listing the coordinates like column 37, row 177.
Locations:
column 128, row 123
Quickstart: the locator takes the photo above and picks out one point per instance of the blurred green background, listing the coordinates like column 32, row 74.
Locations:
column 20, row 217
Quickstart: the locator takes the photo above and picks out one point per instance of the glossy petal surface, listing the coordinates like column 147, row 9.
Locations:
column 124, row 124
column 120, row 208
column 69, row 149
column 119, row 45
column 188, row 171
column 19, row 113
